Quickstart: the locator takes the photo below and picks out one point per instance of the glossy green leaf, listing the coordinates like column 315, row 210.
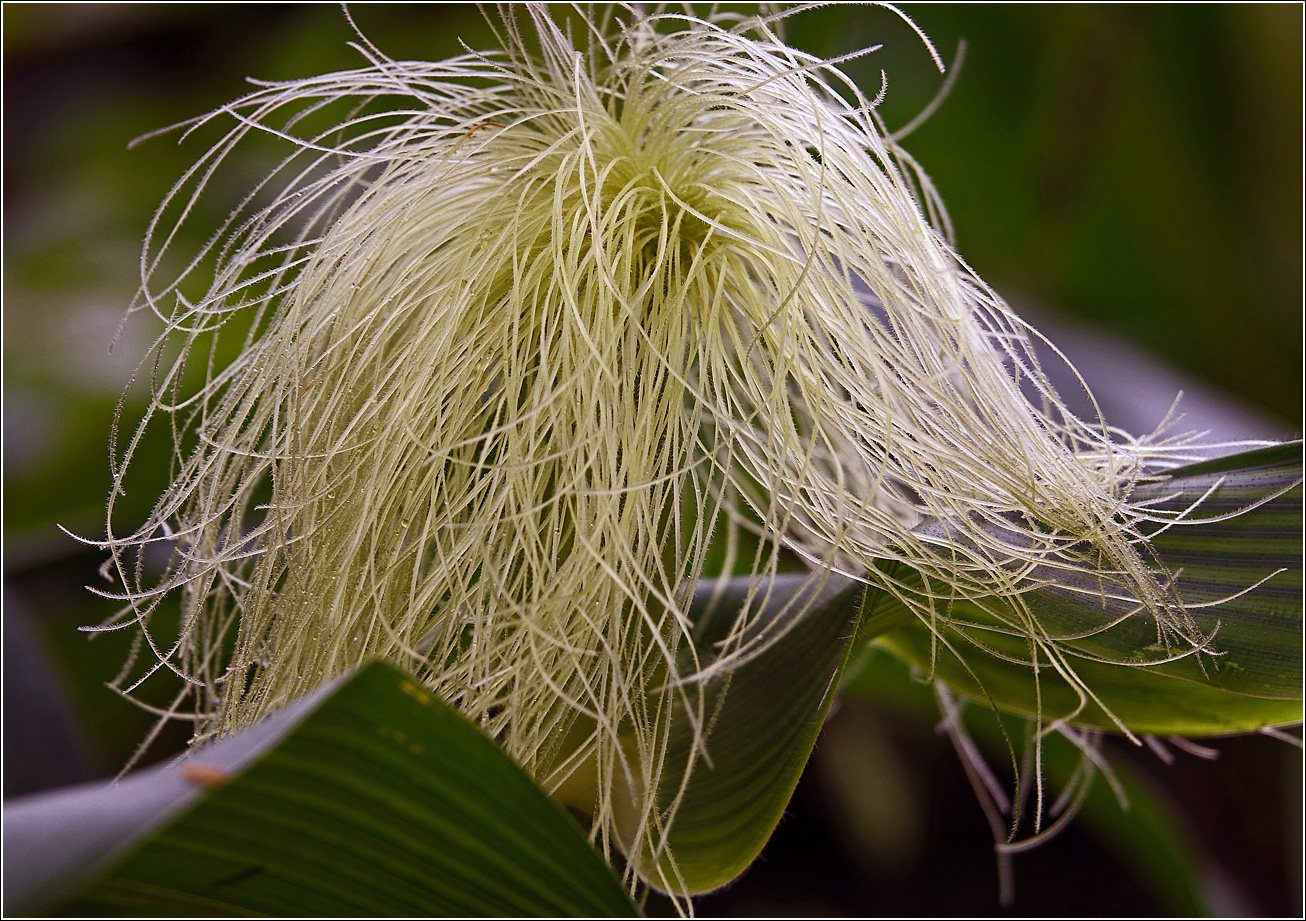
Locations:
column 383, row 801
column 1247, row 532
column 1143, row 699
column 764, row 717
column 1219, row 554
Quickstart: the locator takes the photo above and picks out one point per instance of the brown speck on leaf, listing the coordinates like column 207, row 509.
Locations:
column 207, row 775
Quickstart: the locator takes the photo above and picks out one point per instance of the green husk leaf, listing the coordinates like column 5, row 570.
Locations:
column 1243, row 550
column 1144, row 699
column 384, row 801
column 765, row 716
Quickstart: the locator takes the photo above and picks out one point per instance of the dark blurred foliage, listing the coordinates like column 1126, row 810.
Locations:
column 1134, row 167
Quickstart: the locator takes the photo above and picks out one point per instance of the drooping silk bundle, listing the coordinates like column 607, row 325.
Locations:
column 535, row 339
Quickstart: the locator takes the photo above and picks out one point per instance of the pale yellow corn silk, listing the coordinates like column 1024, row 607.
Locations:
column 525, row 333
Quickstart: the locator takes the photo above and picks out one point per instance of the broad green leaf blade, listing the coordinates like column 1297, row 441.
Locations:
column 766, row 716
column 1258, row 634
column 1246, row 532
column 56, row 838
column 1143, row 699
column 383, row 801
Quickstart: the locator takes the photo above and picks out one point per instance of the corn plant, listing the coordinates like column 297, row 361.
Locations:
column 551, row 428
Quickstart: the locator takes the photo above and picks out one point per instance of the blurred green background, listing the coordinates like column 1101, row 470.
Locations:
column 1134, row 168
